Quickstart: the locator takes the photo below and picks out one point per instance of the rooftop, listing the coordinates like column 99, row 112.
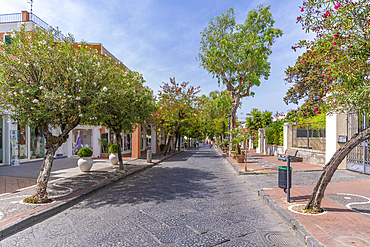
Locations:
column 28, row 17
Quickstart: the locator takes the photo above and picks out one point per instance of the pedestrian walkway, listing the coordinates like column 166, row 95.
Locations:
column 67, row 185
column 346, row 220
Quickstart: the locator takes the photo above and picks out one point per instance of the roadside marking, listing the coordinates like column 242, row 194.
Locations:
column 349, row 205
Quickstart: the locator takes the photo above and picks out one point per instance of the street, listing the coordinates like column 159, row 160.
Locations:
column 193, row 199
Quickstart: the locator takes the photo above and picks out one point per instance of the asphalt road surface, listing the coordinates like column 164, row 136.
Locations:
column 192, row 199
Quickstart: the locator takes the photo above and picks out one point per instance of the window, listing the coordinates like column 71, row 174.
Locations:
column 8, row 39
column 37, row 145
column 81, row 138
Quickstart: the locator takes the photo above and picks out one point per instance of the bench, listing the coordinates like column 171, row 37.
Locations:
column 292, row 154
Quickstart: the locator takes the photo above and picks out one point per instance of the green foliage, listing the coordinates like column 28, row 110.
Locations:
column 162, row 146
column 113, row 148
column 275, row 133
column 48, row 82
column 213, row 112
column 177, row 108
column 85, row 152
column 340, row 50
column 237, row 54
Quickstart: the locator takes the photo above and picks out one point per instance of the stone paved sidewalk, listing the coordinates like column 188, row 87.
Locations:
column 346, row 221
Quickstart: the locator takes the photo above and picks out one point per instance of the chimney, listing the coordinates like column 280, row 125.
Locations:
column 25, row 16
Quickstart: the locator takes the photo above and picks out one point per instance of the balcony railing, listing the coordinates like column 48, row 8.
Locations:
column 17, row 17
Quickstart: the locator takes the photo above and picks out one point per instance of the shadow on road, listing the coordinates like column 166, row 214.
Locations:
column 158, row 185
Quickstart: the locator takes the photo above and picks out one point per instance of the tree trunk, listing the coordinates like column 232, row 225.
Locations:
column 223, row 131
column 234, row 107
column 52, row 143
column 120, row 162
column 330, row 168
column 178, row 137
column 168, row 144
column 177, row 140
column 41, row 195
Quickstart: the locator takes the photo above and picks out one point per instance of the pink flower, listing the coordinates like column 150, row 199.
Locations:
column 253, row 137
column 337, row 6
column 327, row 14
column 334, row 43
column 78, row 98
column 336, row 35
column 323, row 75
column 334, row 102
column 328, row 80
column 302, row 9
column 315, row 108
column 248, row 129
column 318, row 112
column 255, row 132
column 105, row 89
column 35, row 101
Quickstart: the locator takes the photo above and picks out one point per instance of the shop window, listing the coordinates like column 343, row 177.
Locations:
column 113, row 139
column 81, row 138
column 142, row 137
column 149, row 137
column 37, row 146
column 127, row 142
column 22, row 130
column 104, row 143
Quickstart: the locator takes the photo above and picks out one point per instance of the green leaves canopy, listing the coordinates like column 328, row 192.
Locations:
column 48, row 82
column 342, row 39
column 236, row 54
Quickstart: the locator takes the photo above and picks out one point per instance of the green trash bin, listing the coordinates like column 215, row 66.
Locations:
column 282, row 177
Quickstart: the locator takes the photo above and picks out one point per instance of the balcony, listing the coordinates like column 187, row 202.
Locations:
column 25, row 17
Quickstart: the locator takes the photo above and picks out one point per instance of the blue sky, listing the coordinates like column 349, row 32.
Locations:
column 161, row 38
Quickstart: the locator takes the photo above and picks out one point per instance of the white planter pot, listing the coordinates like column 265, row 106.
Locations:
column 113, row 157
column 85, row 164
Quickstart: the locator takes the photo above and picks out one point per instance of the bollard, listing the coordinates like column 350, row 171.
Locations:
column 149, row 156
column 288, row 178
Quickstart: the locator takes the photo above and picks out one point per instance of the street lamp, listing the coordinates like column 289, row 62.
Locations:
column 228, row 136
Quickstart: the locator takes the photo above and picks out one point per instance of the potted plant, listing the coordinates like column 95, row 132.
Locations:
column 104, row 147
column 240, row 157
column 162, row 146
column 113, row 157
column 85, row 162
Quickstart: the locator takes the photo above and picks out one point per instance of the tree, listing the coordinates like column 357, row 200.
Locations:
column 342, row 38
column 257, row 119
column 236, row 54
column 308, row 85
column 177, row 104
column 127, row 105
column 47, row 82
column 214, row 111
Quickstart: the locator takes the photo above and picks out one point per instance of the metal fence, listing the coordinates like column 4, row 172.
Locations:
column 309, row 137
column 17, row 17
column 6, row 18
column 359, row 158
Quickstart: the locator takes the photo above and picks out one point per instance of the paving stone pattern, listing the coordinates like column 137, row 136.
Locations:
column 192, row 199
column 302, row 178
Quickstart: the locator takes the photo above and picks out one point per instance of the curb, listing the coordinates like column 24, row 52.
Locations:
column 71, row 200
column 235, row 167
column 300, row 232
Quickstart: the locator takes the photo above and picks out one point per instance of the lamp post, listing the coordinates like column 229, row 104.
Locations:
column 228, row 135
